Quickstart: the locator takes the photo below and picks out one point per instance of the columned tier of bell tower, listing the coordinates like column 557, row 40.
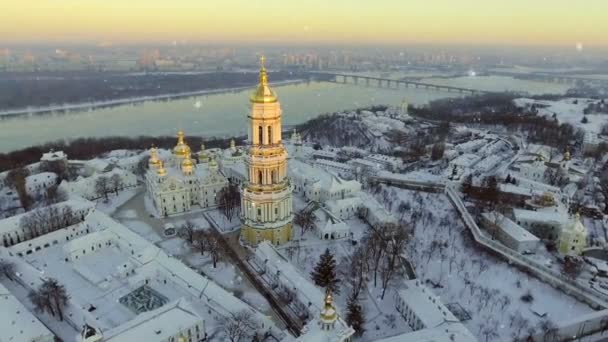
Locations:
column 266, row 203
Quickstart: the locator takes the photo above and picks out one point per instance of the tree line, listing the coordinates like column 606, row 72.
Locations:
column 88, row 148
column 22, row 90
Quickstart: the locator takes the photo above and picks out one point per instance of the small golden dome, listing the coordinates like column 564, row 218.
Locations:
column 161, row 169
column 182, row 338
column 329, row 313
column 187, row 162
column 263, row 93
column 213, row 163
column 181, row 150
column 153, row 162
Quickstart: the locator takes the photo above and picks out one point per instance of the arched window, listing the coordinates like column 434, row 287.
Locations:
column 270, row 134
column 259, row 177
column 260, row 135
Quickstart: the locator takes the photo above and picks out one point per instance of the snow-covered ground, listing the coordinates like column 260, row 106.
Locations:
column 488, row 288
column 568, row 110
column 382, row 319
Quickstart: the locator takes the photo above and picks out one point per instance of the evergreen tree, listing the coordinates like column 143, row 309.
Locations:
column 324, row 274
column 354, row 316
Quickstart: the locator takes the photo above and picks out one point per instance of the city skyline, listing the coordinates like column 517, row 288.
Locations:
column 475, row 22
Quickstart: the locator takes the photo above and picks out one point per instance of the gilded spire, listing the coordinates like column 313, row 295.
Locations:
column 263, row 93
column 263, row 75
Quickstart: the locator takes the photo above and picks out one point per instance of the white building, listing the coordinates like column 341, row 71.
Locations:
column 375, row 213
column 17, row 323
column 545, row 224
column 573, row 237
column 342, row 169
column 127, row 289
column 12, row 232
column 320, row 185
column 85, row 187
column 344, row 208
column 279, row 271
column 463, row 163
column 330, row 227
column 38, row 183
column 178, row 184
column 427, row 316
column 510, row 233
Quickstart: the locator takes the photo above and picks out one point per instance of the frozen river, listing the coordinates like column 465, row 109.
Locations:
column 225, row 114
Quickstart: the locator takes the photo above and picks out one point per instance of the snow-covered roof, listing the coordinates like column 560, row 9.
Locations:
column 332, row 164
column 17, row 323
column 307, row 291
column 425, row 305
column 465, row 160
column 509, row 227
column 111, row 262
column 446, row 332
column 53, row 156
column 156, row 325
column 542, row 216
column 77, row 204
column 471, row 145
column 46, row 178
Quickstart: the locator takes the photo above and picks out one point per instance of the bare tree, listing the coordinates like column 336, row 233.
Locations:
column 306, row 219
column 397, row 237
column 7, row 269
column 355, row 271
column 214, row 246
column 572, row 266
column 115, row 183
column 200, row 241
column 55, row 195
column 16, row 179
column 102, row 187
column 240, row 326
column 187, row 231
column 51, row 296
column 229, row 199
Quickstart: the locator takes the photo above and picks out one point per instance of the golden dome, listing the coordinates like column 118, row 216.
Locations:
column 181, row 150
column 329, row 313
column 187, row 165
column 213, row 163
column 153, row 162
column 161, row 169
column 181, row 338
column 263, row 93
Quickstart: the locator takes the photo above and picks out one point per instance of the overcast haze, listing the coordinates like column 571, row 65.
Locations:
column 521, row 22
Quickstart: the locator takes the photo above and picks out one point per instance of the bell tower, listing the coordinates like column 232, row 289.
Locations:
column 266, row 203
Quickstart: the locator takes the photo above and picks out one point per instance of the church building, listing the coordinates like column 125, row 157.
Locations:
column 266, row 200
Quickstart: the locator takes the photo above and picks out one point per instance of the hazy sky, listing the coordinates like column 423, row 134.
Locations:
column 543, row 22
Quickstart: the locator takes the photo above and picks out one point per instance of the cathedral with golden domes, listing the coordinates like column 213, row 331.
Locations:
column 266, row 198
column 178, row 182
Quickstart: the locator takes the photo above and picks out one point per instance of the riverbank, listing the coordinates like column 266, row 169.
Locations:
column 132, row 100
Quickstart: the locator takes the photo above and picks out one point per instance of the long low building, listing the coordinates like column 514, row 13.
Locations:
column 427, row 316
column 510, row 233
column 17, row 323
column 124, row 288
column 13, row 231
column 279, row 271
